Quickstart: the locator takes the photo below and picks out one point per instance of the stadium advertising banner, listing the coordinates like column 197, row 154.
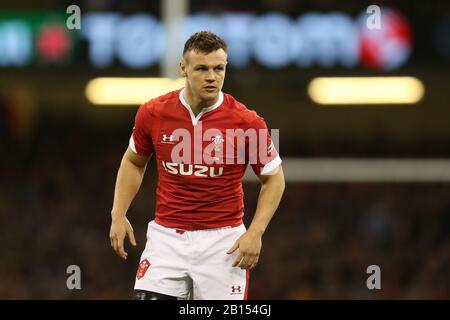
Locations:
column 272, row 40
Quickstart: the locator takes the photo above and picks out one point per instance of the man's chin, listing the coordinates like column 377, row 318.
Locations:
column 212, row 95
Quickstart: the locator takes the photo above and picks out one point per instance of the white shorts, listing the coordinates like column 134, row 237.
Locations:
column 192, row 264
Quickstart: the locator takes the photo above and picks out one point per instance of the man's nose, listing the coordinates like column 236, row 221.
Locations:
column 210, row 76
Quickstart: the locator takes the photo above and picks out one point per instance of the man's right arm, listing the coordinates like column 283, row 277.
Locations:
column 129, row 179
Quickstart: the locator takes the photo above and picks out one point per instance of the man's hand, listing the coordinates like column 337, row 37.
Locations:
column 249, row 245
column 121, row 227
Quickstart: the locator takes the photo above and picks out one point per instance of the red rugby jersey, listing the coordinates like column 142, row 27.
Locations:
column 201, row 159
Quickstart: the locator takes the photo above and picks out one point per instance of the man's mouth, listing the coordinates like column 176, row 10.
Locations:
column 210, row 87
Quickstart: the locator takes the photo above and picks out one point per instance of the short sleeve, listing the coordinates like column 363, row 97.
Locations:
column 141, row 139
column 262, row 155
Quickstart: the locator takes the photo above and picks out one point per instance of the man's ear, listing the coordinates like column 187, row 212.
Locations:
column 183, row 68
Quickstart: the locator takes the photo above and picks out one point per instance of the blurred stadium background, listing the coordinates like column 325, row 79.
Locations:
column 368, row 182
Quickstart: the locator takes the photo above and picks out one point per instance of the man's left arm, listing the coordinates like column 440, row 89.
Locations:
column 249, row 244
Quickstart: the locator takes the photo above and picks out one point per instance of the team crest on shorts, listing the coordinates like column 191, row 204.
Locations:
column 143, row 267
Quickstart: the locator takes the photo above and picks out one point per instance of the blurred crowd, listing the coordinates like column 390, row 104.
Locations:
column 324, row 238
column 56, row 195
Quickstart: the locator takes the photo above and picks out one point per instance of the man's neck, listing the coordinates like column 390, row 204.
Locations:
column 196, row 104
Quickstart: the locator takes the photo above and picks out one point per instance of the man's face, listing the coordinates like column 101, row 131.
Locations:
column 204, row 72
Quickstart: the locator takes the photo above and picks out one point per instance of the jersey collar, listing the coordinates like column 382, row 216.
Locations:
column 196, row 119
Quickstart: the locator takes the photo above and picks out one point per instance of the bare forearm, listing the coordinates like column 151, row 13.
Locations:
column 268, row 201
column 129, row 179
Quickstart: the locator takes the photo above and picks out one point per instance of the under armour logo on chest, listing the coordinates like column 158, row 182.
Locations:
column 167, row 139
